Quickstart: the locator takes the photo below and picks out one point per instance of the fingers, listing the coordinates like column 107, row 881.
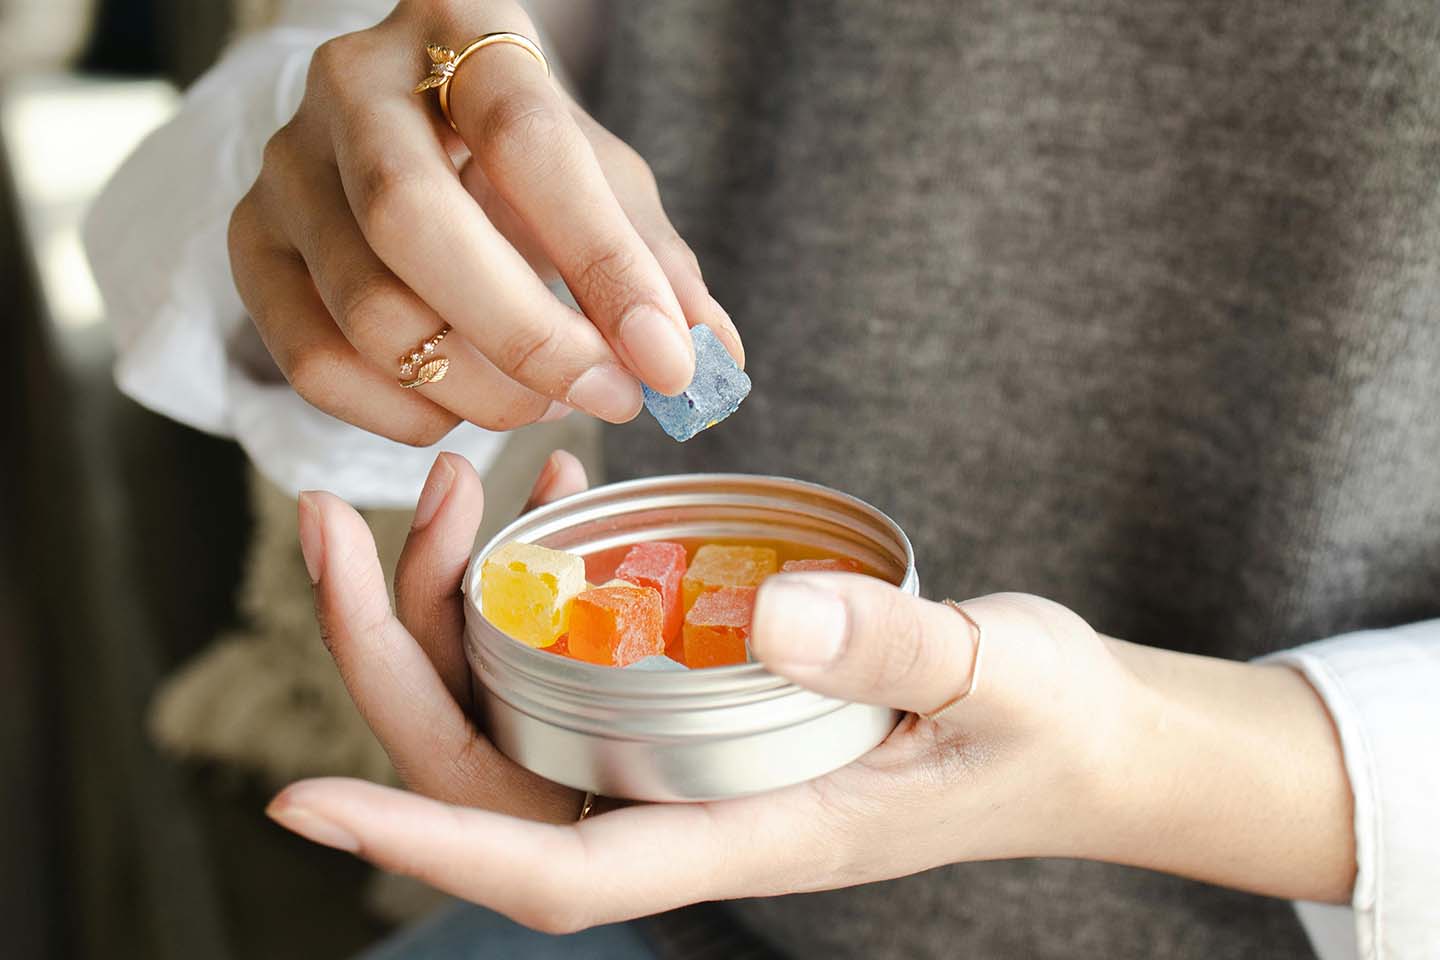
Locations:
column 624, row 864
column 634, row 185
column 428, row 599
column 415, row 214
column 562, row 475
column 520, row 130
column 384, row 319
column 313, row 355
column 393, row 683
column 858, row 638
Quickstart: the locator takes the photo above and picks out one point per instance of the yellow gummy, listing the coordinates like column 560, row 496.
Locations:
column 721, row 565
column 526, row 590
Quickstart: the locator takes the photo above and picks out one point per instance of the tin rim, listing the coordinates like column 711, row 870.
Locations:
column 709, row 703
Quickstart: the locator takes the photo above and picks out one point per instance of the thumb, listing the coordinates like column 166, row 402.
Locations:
column 861, row 639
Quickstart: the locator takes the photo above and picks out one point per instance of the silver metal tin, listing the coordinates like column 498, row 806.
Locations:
column 692, row 735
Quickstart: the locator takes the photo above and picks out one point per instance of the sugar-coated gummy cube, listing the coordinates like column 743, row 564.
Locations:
column 560, row 647
column 717, row 628
column 525, row 591
column 615, row 625
column 657, row 664
column 719, row 565
column 714, row 393
column 659, row 565
column 822, row 565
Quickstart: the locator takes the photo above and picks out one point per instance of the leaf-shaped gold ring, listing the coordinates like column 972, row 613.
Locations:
column 423, row 365
column 432, row 372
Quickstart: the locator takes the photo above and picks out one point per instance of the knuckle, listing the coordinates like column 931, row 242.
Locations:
column 333, row 62
column 903, row 653
column 531, row 355
column 1056, row 622
column 605, row 279
column 314, row 373
column 369, row 308
column 673, row 246
column 392, row 197
column 243, row 227
column 526, row 132
column 627, row 159
column 279, row 153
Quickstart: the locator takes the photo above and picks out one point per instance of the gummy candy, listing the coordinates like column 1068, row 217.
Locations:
column 718, row 626
column 715, row 392
column 616, row 625
column 660, row 566
column 716, row 565
column 560, row 647
column 525, row 591
column 823, row 565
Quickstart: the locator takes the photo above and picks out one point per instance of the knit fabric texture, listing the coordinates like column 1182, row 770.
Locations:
column 1129, row 304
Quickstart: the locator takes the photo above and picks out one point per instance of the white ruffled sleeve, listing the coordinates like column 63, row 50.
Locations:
column 1382, row 688
column 156, row 243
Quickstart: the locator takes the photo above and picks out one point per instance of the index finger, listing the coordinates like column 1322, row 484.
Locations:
column 520, row 130
column 408, row 200
column 561, row 878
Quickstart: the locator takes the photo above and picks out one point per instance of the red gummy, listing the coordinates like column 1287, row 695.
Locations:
column 718, row 626
column 616, row 625
column 659, row 565
column 822, row 565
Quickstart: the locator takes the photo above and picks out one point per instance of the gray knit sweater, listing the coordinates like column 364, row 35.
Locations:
column 1130, row 303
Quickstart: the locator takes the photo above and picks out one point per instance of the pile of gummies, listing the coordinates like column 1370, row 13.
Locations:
column 664, row 610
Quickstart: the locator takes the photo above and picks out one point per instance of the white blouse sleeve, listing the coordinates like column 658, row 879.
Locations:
column 156, row 242
column 1382, row 688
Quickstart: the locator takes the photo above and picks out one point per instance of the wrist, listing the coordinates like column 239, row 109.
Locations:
column 1229, row 773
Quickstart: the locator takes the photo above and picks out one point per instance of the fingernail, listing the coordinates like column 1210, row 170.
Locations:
column 313, row 827
column 659, row 348
column 729, row 333
column 312, row 541
column 432, row 495
column 556, row 411
column 798, row 625
column 607, row 392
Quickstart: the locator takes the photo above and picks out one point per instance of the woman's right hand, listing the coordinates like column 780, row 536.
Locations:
column 362, row 237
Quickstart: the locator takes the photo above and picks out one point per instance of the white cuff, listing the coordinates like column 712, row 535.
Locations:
column 1382, row 687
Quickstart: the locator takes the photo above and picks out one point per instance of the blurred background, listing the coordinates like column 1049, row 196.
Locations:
column 122, row 536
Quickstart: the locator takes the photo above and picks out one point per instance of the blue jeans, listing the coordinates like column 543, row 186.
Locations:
column 467, row 932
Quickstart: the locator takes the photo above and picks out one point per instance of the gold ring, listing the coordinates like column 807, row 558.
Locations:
column 974, row 669
column 423, row 365
column 444, row 62
column 587, row 806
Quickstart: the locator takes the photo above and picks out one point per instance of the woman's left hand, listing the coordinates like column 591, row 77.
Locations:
column 1072, row 744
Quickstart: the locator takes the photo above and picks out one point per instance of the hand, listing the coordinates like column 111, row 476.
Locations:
column 360, row 239
column 406, row 670
column 1072, row 745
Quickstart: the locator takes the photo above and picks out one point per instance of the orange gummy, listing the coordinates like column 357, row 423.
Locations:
column 718, row 565
column 659, row 565
column 717, row 627
column 561, row 646
column 616, row 624
column 822, row 565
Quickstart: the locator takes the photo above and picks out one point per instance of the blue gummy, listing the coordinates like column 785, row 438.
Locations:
column 713, row 395
column 657, row 662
